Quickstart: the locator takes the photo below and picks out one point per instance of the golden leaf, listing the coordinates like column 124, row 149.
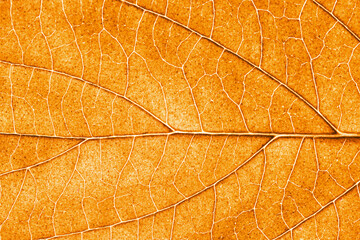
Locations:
column 220, row 119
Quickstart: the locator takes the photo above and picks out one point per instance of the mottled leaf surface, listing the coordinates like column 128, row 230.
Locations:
column 168, row 119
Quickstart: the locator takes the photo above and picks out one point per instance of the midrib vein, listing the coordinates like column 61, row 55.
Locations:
column 253, row 134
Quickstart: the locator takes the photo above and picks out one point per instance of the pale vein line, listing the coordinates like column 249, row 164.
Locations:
column 92, row 84
column 338, row 20
column 178, row 203
column 205, row 133
column 45, row 161
column 242, row 58
column 318, row 211
column 199, row 192
column 16, row 198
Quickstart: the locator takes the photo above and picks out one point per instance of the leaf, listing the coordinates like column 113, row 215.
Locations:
column 179, row 119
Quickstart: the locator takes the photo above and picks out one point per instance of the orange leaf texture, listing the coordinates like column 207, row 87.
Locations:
column 179, row 119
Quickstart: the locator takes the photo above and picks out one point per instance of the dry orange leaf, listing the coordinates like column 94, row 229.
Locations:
column 179, row 119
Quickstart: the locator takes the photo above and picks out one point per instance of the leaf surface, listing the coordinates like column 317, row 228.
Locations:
column 179, row 119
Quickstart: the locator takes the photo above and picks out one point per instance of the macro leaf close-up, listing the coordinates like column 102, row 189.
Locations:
column 179, row 119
